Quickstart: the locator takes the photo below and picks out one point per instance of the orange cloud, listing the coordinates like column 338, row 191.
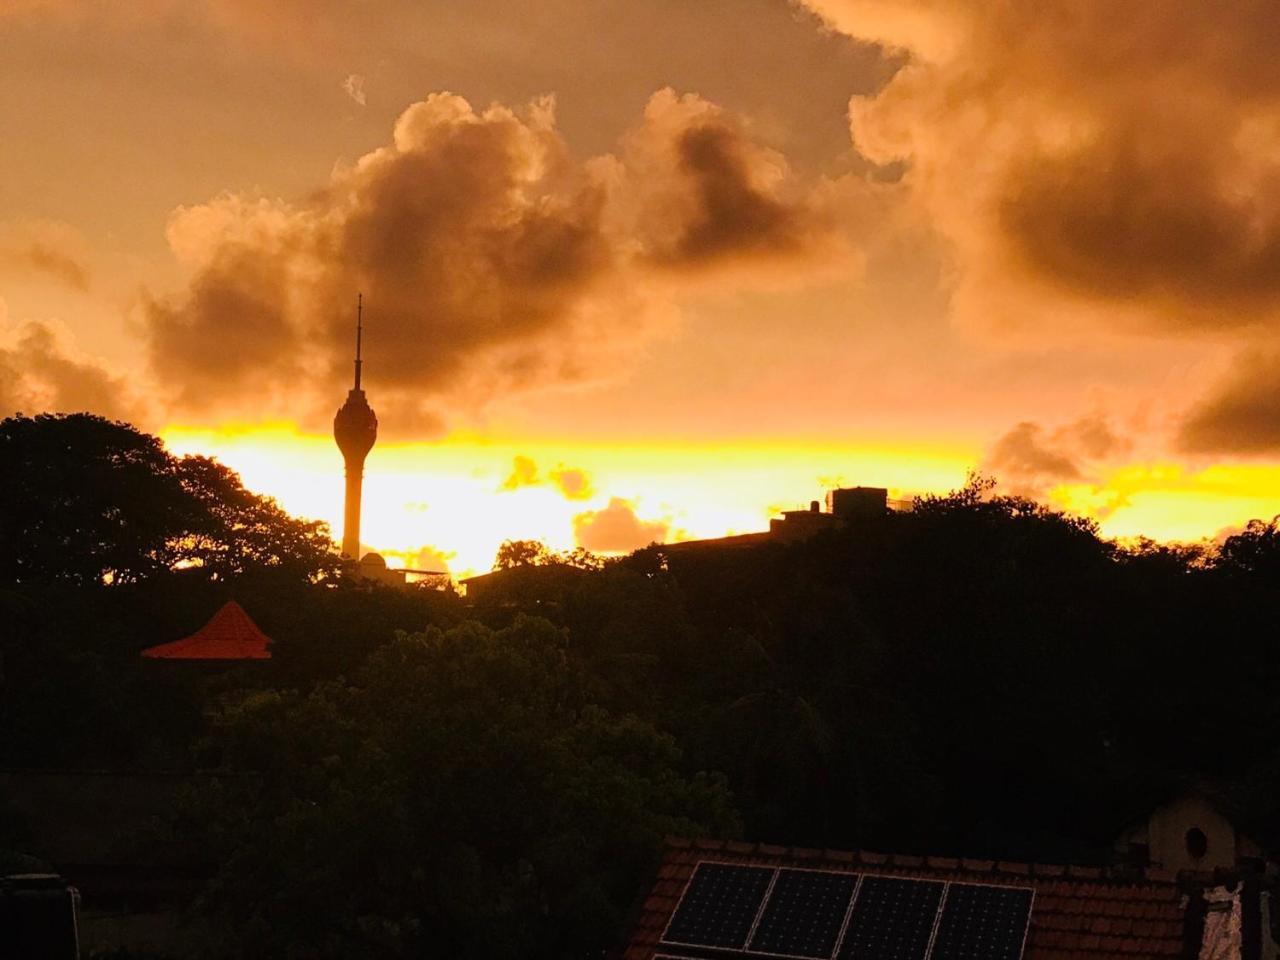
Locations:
column 1095, row 167
column 1028, row 460
column 574, row 484
column 41, row 371
column 524, row 473
column 701, row 192
column 1241, row 415
column 616, row 529
column 490, row 261
column 1087, row 159
column 54, row 249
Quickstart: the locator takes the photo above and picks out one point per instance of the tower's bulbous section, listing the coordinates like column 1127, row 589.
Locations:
column 355, row 427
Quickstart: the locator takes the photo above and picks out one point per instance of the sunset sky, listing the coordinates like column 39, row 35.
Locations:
column 655, row 269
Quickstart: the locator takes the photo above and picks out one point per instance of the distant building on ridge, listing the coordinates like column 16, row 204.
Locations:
column 845, row 506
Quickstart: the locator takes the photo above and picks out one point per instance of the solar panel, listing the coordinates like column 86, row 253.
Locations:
column 719, row 905
column 804, row 913
column 982, row 923
column 892, row 919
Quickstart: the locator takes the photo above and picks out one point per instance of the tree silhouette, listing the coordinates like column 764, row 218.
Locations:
column 461, row 797
column 88, row 500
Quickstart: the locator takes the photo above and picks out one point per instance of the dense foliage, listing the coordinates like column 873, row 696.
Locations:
column 86, row 500
column 979, row 675
column 460, row 796
column 535, row 553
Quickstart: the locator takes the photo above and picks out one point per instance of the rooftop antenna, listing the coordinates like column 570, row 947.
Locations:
column 359, row 331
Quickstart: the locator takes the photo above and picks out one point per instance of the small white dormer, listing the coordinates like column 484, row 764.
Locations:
column 1188, row 833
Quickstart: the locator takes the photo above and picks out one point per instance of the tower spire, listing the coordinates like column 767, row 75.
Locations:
column 359, row 332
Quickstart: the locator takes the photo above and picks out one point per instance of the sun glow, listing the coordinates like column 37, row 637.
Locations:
column 1167, row 501
column 428, row 504
column 451, row 503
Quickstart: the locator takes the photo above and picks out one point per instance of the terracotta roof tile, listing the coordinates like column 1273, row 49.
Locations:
column 1084, row 872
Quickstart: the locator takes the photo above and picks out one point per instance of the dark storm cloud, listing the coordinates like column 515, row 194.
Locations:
column 488, row 257
column 1242, row 415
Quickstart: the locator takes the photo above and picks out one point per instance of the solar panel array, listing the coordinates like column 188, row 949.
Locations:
column 893, row 919
column 982, row 923
column 719, row 905
column 736, row 910
column 805, row 912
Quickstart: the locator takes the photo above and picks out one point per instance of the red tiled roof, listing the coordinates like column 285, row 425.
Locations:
column 1078, row 912
column 229, row 635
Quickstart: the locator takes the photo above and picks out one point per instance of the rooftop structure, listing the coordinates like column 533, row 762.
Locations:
column 373, row 567
column 845, row 506
column 745, row 901
column 229, row 635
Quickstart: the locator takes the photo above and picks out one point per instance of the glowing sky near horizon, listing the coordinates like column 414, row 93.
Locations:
column 444, row 506
column 714, row 257
column 424, row 503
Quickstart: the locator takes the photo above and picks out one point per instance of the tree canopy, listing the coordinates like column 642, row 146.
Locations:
column 460, row 796
column 88, row 500
column 535, row 553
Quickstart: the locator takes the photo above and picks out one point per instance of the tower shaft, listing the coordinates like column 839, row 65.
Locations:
column 351, row 510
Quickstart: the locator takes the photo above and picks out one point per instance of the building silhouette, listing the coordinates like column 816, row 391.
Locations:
column 846, row 507
column 355, row 428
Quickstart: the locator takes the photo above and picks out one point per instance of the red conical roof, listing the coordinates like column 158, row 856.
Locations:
column 229, row 635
